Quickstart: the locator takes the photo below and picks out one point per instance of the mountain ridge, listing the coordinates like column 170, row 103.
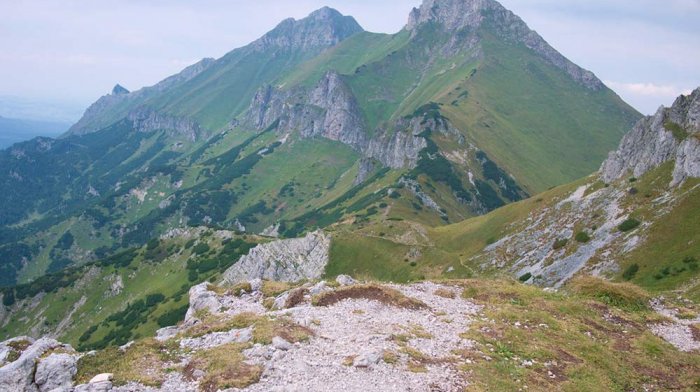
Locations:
column 442, row 125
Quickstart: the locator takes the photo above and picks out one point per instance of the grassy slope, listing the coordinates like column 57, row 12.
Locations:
column 379, row 248
column 577, row 340
column 533, row 120
column 670, row 241
column 146, row 274
column 445, row 248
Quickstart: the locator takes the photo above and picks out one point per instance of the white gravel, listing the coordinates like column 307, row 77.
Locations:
column 360, row 327
column 677, row 331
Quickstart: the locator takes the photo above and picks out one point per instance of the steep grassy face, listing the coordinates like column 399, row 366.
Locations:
column 537, row 123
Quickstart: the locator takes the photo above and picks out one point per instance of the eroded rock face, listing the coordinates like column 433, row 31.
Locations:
column 330, row 110
column 56, row 372
column 149, row 120
column 470, row 15
column 670, row 134
column 201, row 298
column 31, row 373
column 283, row 260
column 321, row 29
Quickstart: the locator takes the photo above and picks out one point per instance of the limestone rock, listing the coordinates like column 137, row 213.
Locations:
column 367, row 359
column 652, row 142
column 201, row 298
column 321, row 29
column 119, row 90
column 19, row 375
column 148, row 120
column 345, row 280
column 56, row 372
column 166, row 333
column 281, row 344
column 283, row 260
column 102, row 378
column 218, row 338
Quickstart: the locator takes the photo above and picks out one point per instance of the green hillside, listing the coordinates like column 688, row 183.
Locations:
column 499, row 120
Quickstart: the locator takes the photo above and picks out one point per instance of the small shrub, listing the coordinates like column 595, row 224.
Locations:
column 630, row 272
column 525, row 277
column 633, row 179
column 172, row 317
column 560, row 243
column 154, row 299
column 201, row 248
column 582, row 237
column 628, row 225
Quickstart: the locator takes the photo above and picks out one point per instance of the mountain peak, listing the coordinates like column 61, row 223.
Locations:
column 452, row 14
column 471, row 15
column 323, row 28
column 119, row 90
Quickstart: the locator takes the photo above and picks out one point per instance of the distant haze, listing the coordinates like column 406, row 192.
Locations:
column 72, row 52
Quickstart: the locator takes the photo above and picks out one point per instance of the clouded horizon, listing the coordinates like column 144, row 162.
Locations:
column 74, row 51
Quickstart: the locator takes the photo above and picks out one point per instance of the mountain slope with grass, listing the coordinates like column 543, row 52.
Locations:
column 315, row 123
column 634, row 220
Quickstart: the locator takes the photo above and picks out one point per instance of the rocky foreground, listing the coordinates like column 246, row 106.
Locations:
column 351, row 336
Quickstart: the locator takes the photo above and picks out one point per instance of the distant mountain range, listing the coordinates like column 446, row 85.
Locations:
column 15, row 130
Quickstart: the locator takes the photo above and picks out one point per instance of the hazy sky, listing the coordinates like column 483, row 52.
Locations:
column 73, row 51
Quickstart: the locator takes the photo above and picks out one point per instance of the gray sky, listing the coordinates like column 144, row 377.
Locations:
column 73, row 51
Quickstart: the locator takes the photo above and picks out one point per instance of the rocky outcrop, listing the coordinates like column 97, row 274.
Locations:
column 148, row 120
column 33, row 371
column 321, row 29
column 284, row 260
column 119, row 90
column 330, row 110
column 202, row 299
column 56, row 372
column 670, row 134
column 469, row 15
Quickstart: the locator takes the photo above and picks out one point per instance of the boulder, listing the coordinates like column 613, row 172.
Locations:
column 19, row 375
column 367, row 359
column 345, row 280
column 166, row 333
column 56, row 372
column 201, row 298
column 281, row 344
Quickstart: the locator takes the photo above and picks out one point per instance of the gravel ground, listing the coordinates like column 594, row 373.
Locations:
column 677, row 331
column 364, row 328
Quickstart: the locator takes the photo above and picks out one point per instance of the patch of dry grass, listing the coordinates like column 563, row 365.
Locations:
column 273, row 289
column 445, row 293
column 141, row 362
column 385, row 295
column 224, row 368
column 622, row 295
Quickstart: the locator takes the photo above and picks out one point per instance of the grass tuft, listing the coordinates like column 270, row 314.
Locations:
column 622, row 295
